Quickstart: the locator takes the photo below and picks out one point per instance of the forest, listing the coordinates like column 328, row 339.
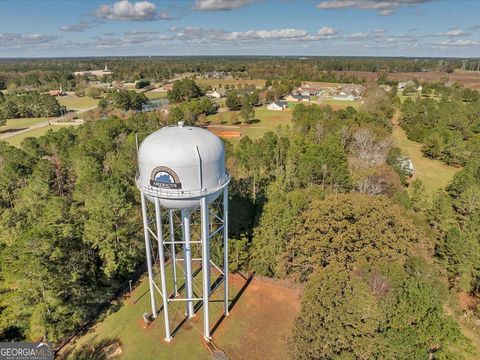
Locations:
column 321, row 203
column 30, row 104
column 448, row 127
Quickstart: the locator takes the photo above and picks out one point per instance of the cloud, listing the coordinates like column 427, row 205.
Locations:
column 266, row 34
column 196, row 34
column 327, row 31
column 357, row 36
column 20, row 40
column 453, row 32
column 474, row 27
column 459, row 42
column 141, row 32
column 123, row 41
column 82, row 25
column 383, row 7
column 220, row 5
column 126, row 11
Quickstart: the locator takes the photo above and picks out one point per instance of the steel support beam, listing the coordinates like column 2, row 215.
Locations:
column 187, row 255
column 205, row 266
column 148, row 254
column 161, row 255
column 174, row 254
column 225, row 250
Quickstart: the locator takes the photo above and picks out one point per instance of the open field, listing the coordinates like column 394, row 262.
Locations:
column 16, row 140
column 433, row 173
column 261, row 318
column 77, row 103
column 265, row 120
column 155, row 95
column 13, row 125
column 339, row 104
column 468, row 79
column 236, row 82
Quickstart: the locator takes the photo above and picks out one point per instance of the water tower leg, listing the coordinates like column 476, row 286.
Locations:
column 174, row 255
column 225, row 250
column 161, row 255
column 205, row 266
column 149, row 255
column 187, row 260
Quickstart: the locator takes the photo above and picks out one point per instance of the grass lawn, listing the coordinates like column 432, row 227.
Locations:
column 339, row 104
column 260, row 320
column 265, row 121
column 155, row 95
column 20, row 124
column 16, row 140
column 433, row 173
column 77, row 103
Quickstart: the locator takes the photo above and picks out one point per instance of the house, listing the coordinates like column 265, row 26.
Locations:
column 97, row 73
column 297, row 98
column 406, row 165
column 351, row 89
column 344, row 97
column 167, row 87
column 403, row 84
column 216, row 94
column 59, row 92
column 308, row 91
column 277, row 105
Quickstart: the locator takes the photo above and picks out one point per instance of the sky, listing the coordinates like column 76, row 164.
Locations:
column 67, row 28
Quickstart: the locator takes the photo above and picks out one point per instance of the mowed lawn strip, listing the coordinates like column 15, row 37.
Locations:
column 77, row 103
column 20, row 124
column 433, row 173
column 16, row 140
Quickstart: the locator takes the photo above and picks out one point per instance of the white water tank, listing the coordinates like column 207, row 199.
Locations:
column 180, row 165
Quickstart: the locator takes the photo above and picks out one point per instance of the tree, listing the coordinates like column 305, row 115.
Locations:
column 140, row 84
column 354, row 227
column 375, row 312
column 232, row 101
column 247, row 112
column 93, row 92
column 184, row 90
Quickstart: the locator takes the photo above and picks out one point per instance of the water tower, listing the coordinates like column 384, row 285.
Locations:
column 182, row 172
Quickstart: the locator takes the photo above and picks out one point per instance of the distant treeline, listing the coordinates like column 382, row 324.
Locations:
column 50, row 73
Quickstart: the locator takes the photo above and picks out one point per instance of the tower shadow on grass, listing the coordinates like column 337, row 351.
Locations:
column 233, row 302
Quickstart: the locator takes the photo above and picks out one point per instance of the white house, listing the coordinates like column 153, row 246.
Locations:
column 277, row 105
column 216, row 94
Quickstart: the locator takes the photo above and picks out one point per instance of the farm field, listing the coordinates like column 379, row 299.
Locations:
column 77, row 103
column 467, row 79
column 261, row 318
column 433, row 173
column 17, row 139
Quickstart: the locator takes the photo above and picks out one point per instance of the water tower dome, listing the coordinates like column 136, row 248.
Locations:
column 180, row 164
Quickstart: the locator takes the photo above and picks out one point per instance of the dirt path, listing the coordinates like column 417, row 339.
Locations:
column 433, row 173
